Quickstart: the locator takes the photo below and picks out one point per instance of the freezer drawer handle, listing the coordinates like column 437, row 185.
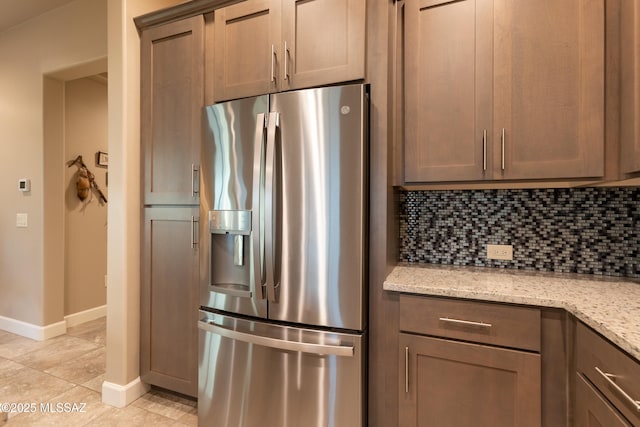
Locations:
column 231, row 289
column 303, row 347
column 624, row 394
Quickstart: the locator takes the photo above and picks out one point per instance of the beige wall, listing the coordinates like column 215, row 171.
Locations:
column 85, row 105
column 72, row 34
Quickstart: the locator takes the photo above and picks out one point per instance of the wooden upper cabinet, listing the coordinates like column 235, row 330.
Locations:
column 497, row 90
column 263, row 46
column 172, row 91
column 630, row 89
column 445, row 73
column 246, row 49
column 549, row 89
column 323, row 42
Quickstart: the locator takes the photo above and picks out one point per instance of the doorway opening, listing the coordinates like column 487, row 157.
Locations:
column 75, row 230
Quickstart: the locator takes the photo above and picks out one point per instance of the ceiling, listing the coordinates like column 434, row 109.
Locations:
column 14, row 12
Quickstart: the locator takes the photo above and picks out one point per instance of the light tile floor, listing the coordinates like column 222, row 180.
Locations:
column 45, row 376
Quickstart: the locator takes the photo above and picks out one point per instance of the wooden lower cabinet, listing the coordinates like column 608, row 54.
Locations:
column 448, row 383
column 592, row 410
column 169, row 299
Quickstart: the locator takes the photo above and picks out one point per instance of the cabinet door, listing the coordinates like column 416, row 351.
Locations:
column 549, row 89
column 323, row 42
column 169, row 299
column 453, row 384
column 447, row 89
column 246, row 49
column 172, row 69
column 591, row 410
column 630, row 90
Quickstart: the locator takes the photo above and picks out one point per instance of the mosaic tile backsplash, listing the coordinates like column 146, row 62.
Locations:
column 589, row 231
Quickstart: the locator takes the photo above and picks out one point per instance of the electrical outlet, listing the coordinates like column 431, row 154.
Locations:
column 504, row 252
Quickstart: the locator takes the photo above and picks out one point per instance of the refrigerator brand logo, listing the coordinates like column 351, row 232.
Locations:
column 345, row 109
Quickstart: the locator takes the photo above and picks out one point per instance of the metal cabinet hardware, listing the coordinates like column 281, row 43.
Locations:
column 484, row 150
column 503, row 137
column 465, row 322
column 406, row 369
column 194, row 231
column 195, row 169
column 624, row 394
column 273, row 63
column 286, row 61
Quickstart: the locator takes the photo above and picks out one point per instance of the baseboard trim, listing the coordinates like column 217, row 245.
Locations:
column 41, row 333
column 85, row 316
column 122, row 395
column 35, row 332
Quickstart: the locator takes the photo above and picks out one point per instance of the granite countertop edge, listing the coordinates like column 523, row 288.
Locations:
column 609, row 305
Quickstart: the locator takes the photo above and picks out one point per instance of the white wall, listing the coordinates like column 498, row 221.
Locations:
column 73, row 34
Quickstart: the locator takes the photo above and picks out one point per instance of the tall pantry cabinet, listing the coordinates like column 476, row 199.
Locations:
column 172, row 97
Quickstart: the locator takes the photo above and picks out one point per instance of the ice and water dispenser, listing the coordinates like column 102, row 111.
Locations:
column 230, row 269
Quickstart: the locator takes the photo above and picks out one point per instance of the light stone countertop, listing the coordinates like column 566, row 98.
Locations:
column 611, row 306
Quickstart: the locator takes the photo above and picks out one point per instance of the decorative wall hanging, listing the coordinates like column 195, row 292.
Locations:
column 102, row 159
column 85, row 181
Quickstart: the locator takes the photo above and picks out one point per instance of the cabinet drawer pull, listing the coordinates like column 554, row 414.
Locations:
column 608, row 378
column 406, row 369
column 465, row 322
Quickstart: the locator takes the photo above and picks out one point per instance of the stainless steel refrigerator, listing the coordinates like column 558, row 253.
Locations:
column 284, row 181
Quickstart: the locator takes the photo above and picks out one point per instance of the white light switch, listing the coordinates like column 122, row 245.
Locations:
column 22, row 220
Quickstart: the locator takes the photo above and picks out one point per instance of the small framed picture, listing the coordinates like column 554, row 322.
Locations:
column 102, row 159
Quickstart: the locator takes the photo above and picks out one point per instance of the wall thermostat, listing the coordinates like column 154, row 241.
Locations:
column 24, row 184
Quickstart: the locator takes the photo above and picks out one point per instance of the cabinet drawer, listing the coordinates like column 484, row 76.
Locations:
column 488, row 323
column 615, row 375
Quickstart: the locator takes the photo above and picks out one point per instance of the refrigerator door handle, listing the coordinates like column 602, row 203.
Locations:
column 257, row 280
column 270, row 206
column 303, row 347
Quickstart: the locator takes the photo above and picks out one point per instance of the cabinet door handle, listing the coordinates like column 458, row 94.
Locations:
column 406, row 369
column 286, row 61
column 503, row 138
column 194, row 179
column 273, row 63
column 194, row 231
column 466, row 322
column 484, row 150
column 624, row 394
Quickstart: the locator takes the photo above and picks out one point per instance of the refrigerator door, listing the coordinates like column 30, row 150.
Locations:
column 260, row 374
column 234, row 138
column 316, row 183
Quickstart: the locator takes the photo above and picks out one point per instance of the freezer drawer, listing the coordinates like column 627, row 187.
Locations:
column 262, row 374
